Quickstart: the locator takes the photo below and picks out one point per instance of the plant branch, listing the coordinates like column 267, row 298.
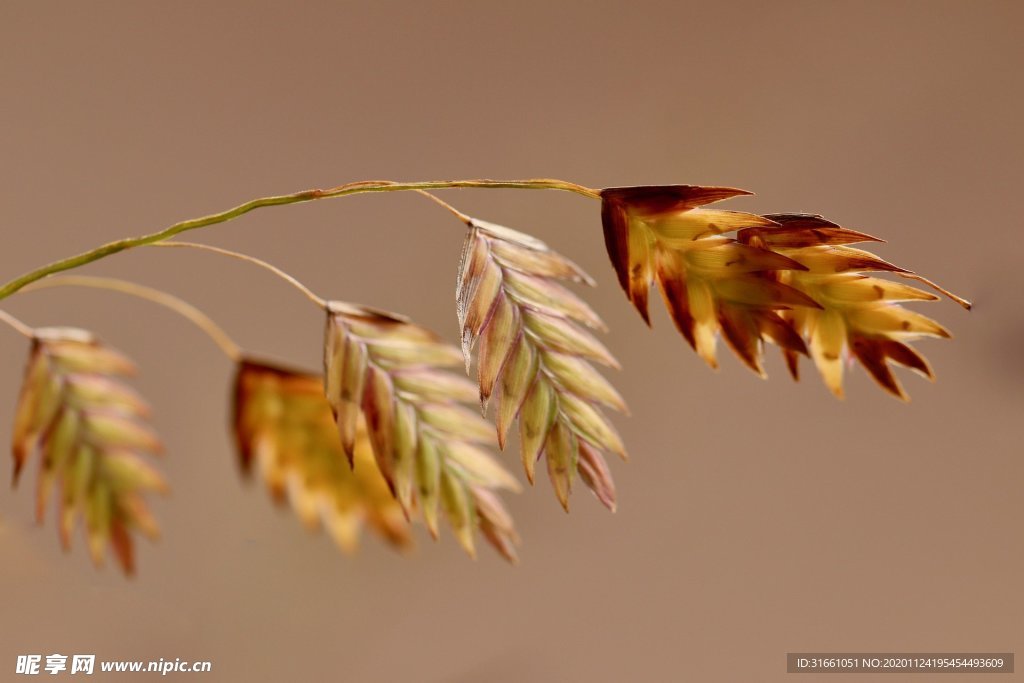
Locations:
column 309, row 293
column 19, row 326
column 443, row 204
column 280, row 200
column 231, row 349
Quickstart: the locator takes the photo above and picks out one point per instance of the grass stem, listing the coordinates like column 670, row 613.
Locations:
column 310, row 294
column 360, row 187
column 18, row 326
column 182, row 308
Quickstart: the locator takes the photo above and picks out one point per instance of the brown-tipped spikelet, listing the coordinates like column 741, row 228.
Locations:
column 430, row 447
column 858, row 314
column 710, row 283
column 283, row 425
column 787, row 278
column 86, row 425
column 534, row 355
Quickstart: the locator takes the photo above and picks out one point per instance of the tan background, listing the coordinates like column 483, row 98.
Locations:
column 756, row 517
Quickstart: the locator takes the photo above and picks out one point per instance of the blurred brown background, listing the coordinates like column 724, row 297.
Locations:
column 755, row 518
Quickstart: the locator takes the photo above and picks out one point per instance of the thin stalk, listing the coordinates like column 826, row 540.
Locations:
column 310, row 294
column 442, row 203
column 18, row 326
column 182, row 308
column 280, row 200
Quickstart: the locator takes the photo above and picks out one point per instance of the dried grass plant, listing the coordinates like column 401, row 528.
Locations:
column 387, row 437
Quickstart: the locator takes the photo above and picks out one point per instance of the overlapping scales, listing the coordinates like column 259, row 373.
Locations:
column 791, row 279
column 860, row 316
column 534, row 353
column 89, row 430
column 710, row 283
column 431, row 448
column 284, row 429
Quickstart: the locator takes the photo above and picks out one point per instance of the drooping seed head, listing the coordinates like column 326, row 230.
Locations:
column 534, row 352
column 88, row 430
column 430, row 447
column 284, row 430
column 791, row 279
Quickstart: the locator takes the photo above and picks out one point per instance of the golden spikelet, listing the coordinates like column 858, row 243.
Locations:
column 86, row 425
column 283, row 426
column 859, row 316
column 534, row 354
column 788, row 278
column 430, row 447
column 710, row 283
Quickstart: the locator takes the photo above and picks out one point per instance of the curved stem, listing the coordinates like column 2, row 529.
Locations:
column 443, row 204
column 183, row 308
column 18, row 326
column 310, row 294
column 279, row 200
column 529, row 184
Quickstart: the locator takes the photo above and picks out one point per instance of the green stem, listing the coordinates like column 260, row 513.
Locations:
column 281, row 200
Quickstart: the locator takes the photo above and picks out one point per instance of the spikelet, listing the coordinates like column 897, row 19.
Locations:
column 86, row 425
column 535, row 356
column 431, row 448
column 710, row 283
column 859, row 316
column 284, row 428
column 791, row 279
